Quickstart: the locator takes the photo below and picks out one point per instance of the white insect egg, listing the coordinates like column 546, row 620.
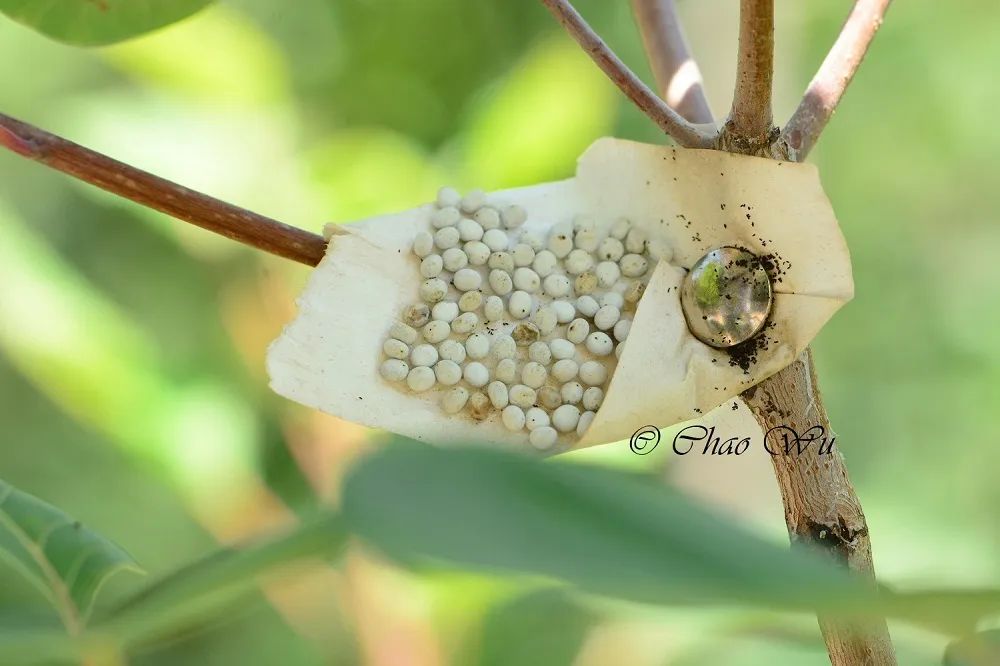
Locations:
column 606, row 317
column 506, row 371
column 394, row 348
column 613, row 299
column 519, row 304
column 556, row 285
column 454, row 399
column 472, row 201
column 477, row 252
column 565, row 418
column 565, row 311
column 447, row 372
column 433, row 290
column 526, row 279
column 494, row 309
column 619, row 348
column 587, row 240
column 571, row 392
column 523, row 255
column 622, row 329
column 452, row 350
column 545, row 318
column 448, row 196
column 578, row 261
column 593, row 373
column 436, row 331
column 538, row 352
column 513, row 216
column 465, row 322
column 610, row 249
column 599, row 344
column 420, row 379
column 584, row 423
column 562, row 349
column 445, row 217
column 565, row 369
column 447, row 237
column 470, row 301
column 487, row 218
column 423, row 244
column 454, row 259
column 545, row 262
column 535, row 417
column 584, row 223
column 578, row 330
column 394, row 370
column 560, row 240
column 467, row 279
column 607, row 273
column 496, row 240
column 585, row 283
column 476, row 374
column 503, row 261
column 533, row 374
column 522, row 396
column 445, row 311
column 635, row 242
column 533, row 240
column 479, row 406
column 634, row 292
column 417, row 315
column 503, row 347
column 469, row 230
column 543, row 438
column 620, row 228
column 401, row 331
column 548, row 397
column 592, row 399
column 500, row 282
column 526, row 334
column 477, row 345
column 431, row 266
column 660, row 250
column 498, row 395
column 512, row 417
column 633, row 265
column 587, row 306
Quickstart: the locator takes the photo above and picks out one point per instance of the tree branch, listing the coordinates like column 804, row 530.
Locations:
column 683, row 132
column 677, row 74
column 749, row 121
column 822, row 509
column 831, row 81
column 152, row 191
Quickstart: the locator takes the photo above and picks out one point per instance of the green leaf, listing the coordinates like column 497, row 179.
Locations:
column 97, row 22
column 66, row 561
column 982, row 649
column 606, row 531
column 204, row 587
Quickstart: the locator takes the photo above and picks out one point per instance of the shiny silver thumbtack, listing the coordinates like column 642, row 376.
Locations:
column 726, row 297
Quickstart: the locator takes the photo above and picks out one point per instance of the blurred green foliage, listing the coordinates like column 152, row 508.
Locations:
column 131, row 389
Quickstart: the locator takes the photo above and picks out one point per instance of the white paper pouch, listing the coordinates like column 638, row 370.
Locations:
column 685, row 203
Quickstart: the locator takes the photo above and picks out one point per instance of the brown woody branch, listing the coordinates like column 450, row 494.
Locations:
column 677, row 75
column 683, row 132
column 152, row 191
column 831, row 81
column 749, row 120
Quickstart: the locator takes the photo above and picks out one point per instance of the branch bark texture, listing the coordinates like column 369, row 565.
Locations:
column 749, row 123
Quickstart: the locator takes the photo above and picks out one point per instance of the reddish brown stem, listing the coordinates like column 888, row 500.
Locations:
column 750, row 118
column 163, row 195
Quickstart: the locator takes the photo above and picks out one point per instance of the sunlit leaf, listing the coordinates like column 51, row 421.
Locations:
column 96, row 22
column 66, row 561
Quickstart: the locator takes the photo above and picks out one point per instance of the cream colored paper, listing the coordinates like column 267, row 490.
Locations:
column 696, row 200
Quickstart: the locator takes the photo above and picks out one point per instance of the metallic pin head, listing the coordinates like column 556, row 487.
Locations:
column 726, row 297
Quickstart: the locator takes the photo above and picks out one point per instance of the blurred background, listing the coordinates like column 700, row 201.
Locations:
column 132, row 390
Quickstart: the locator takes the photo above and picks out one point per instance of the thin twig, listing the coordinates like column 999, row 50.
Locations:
column 750, row 118
column 152, row 191
column 831, row 81
column 677, row 74
column 683, row 132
